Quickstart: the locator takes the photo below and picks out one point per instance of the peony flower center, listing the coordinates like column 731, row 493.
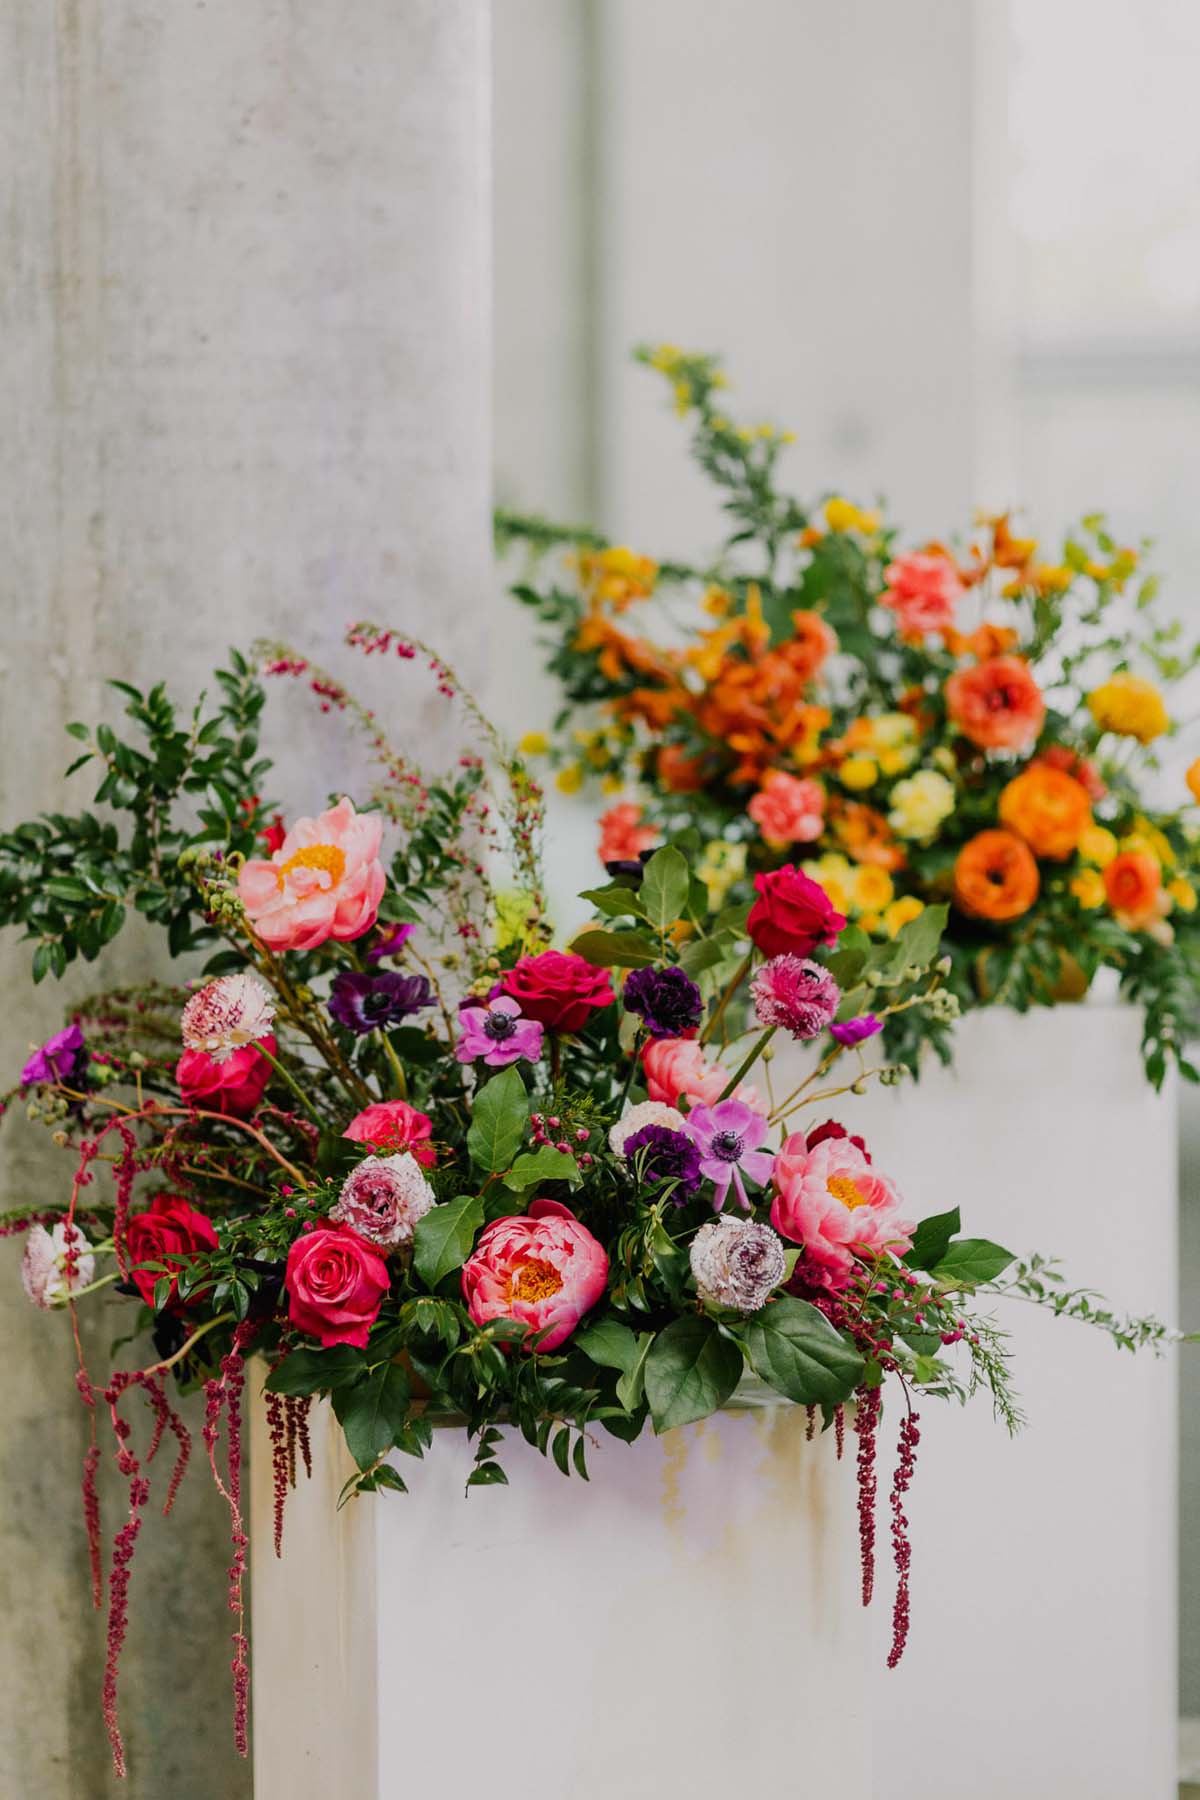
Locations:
column 728, row 1145
column 535, row 1280
column 328, row 859
column 499, row 1025
column 847, row 1190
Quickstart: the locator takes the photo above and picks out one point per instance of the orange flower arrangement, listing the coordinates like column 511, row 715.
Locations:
column 1048, row 808
column 866, row 837
column 996, row 877
column 997, row 704
column 1133, row 883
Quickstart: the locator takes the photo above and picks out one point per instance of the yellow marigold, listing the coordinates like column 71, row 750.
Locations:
column 920, row 804
column 534, row 743
column 843, row 515
column 858, row 772
column 1182, row 893
column 1193, row 780
column 873, row 888
column 570, row 779
column 1131, row 707
column 1089, row 889
column 901, row 912
column 1098, row 846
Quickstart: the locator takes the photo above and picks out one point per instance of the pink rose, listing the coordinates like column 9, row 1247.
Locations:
column 674, row 1066
column 543, row 1269
column 792, row 914
column 395, row 1126
column 558, row 989
column 787, row 810
column 233, row 1087
column 324, row 881
column 923, row 590
column 830, row 1199
column 335, row 1286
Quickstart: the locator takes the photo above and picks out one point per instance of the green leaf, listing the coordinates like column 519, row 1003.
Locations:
column 616, row 901
column 488, row 1474
column 796, row 1350
column 691, row 1370
column 931, row 1239
column 631, row 1388
column 921, row 938
column 666, row 879
column 315, row 1371
column 443, row 1238
column 544, row 1164
column 699, row 954
column 970, row 1261
column 610, row 1345
column 373, row 1411
column 615, row 949
column 65, row 887
column 499, row 1120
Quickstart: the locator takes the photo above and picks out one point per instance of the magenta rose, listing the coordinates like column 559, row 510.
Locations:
column 335, row 1285
column 792, row 914
column 170, row 1231
column 544, row 1269
column 233, row 1087
column 558, row 989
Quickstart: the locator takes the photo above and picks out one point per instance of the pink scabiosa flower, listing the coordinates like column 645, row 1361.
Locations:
column 830, row 1199
column 382, row 1199
column 796, row 993
column 543, row 1269
column 498, row 1034
column 729, row 1137
column 324, row 881
column 395, row 1126
column 227, row 1015
column 56, row 1264
column 855, row 1031
column 675, row 1066
column 737, row 1263
column 650, row 1112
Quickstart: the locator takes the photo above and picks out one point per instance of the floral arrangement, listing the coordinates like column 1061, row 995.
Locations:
column 390, row 1142
column 914, row 726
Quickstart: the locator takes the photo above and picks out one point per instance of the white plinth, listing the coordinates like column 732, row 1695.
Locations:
column 1043, row 1646
column 686, row 1624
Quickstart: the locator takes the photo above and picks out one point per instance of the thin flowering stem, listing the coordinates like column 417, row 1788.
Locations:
column 749, row 1061
column 739, row 975
column 398, row 1076
column 185, row 1349
column 289, row 1081
column 852, row 1087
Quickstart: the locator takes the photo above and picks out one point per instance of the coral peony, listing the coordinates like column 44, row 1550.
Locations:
column 923, row 590
column 382, row 1199
column 227, row 1015
column 675, row 1066
column 623, row 837
column 995, row 877
column 56, row 1264
column 1133, row 884
column 169, row 1232
column 234, row 1086
column 830, row 1199
column 792, row 913
column 997, row 704
column 543, row 1269
column 325, row 881
column 737, row 1263
column 787, row 810
column 1048, row 808
column 335, row 1285
column 797, row 994
column 394, row 1126
column 559, row 989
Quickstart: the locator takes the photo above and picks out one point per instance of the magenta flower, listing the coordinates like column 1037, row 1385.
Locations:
column 61, row 1058
column 391, row 943
column 855, row 1031
column 498, row 1033
column 729, row 1137
column 796, row 993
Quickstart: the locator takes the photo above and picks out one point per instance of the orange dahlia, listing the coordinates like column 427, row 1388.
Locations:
column 995, row 877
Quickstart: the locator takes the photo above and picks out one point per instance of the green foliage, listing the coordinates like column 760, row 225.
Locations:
column 442, row 1240
column 796, row 1350
column 691, row 1369
column 499, row 1121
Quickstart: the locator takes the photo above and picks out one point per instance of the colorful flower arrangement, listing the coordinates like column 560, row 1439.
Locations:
column 973, row 726
column 391, row 1143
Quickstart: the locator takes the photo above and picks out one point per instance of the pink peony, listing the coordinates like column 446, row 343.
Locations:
column 923, row 590
column 675, row 1066
column 788, row 810
column 382, row 1199
column 325, row 881
column 829, row 1199
column 543, row 1269
column 233, row 1087
column 335, row 1286
column 395, row 1126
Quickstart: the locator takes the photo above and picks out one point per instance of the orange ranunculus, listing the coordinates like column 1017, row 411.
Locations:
column 995, row 877
column 866, row 836
column 997, row 704
column 1133, row 883
column 679, row 772
column 1048, row 808
column 1057, row 756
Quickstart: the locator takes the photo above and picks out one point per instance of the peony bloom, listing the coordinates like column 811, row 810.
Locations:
column 799, row 995
column 56, row 1264
column 920, row 804
column 787, row 810
column 650, row 1112
column 543, row 1269
column 666, row 999
column 831, row 1200
column 559, row 989
column 362, row 1003
column 1131, row 707
column 382, row 1199
column 658, row 1157
column 792, row 914
column 1133, row 884
column 498, row 1034
column 995, row 877
column 623, row 837
column 169, row 1231
column 923, row 590
column 729, row 1137
column 335, row 1286
column 234, row 1086
column 395, row 1126
column 736, row 1263
column 325, row 881
column 997, row 704
column 675, row 1066
column 1048, row 808
column 62, row 1057
column 227, row 1015
column 855, row 1031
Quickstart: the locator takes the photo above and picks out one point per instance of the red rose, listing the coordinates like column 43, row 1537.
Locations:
column 558, row 989
column 234, row 1086
column 335, row 1285
column 792, row 914
column 169, row 1231
column 831, row 1129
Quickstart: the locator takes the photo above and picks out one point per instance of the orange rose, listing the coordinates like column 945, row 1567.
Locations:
column 995, row 877
column 1133, row 883
column 997, row 704
column 1048, row 808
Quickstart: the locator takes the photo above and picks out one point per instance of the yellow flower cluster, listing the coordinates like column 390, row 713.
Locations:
column 884, row 745
column 1131, row 707
column 721, row 865
column 843, row 515
column 920, row 804
column 616, row 577
column 864, row 893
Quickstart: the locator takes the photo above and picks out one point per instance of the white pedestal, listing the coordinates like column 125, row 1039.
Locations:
column 686, row 1624
column 1043, row 1646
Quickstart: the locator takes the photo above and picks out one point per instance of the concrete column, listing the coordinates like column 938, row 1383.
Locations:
column 244, row 309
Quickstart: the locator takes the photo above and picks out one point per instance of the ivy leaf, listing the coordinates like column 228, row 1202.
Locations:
column 796, row 1351
column 545, row 1164
column 666, row 880
column 615, row 949
column 373, row 1411
column 931, row 1239
column 315, row 1371
column 443, row 1238
column 499, row 1120
column 970, row 1261
column 691, row 1370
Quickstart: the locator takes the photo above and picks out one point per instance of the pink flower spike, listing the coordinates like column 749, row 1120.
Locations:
column 498, row 1033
